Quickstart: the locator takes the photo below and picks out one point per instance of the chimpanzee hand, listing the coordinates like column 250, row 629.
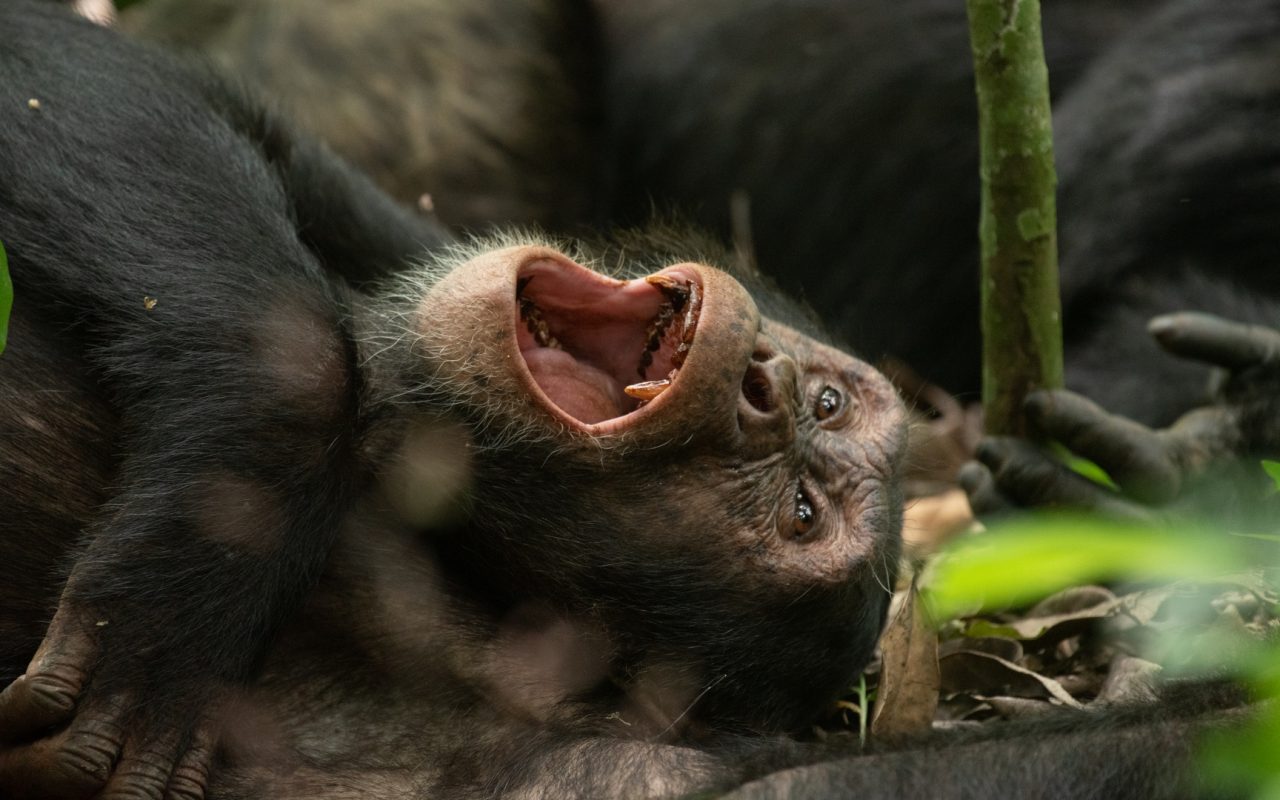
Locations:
column 1152, row 468
column 75, row 725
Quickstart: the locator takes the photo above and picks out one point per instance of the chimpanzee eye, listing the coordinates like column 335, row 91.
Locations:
column 829, row 402
column 805, row 515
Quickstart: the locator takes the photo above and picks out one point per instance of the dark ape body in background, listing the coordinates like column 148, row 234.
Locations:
column 488, row 107
column 848, row 130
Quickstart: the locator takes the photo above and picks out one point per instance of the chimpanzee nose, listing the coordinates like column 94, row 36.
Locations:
column 767, row 405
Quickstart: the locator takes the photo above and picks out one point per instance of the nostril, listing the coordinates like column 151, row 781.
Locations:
column 756, row 389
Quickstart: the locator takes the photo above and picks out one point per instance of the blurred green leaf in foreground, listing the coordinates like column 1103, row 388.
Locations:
column 1272, row 468
column 1031, row 557
column 1026, row 559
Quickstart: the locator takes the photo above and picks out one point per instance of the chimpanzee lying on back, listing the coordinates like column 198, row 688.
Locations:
column 600, row 535
column 695, row 505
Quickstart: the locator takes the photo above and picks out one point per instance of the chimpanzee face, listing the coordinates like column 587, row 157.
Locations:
column 702, row 479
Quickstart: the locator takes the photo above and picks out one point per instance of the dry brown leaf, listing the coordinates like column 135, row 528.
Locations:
column 928, row 522
column 985, row 674
column 1082, row 683
column 1046, row 630
column 1071, row 600
column 1130, row 680
column 908, row 693
column 1137, row 610
column 1008, row 649
column 1018, row 707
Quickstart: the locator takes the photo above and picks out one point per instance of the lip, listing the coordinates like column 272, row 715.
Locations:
column 606, row 324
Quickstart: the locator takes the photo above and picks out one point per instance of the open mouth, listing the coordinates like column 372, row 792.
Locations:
column 600, row 348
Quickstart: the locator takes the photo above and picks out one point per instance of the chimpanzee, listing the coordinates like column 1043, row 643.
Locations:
column 497, row 525
column 837, row 140
column 696, row 505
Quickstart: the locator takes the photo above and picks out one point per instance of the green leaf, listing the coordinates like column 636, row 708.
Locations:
column 1083, row 466
column 862, row 710
column 1272, row 468
column 1092, row 471
column 1032, row 557
column 6, row 298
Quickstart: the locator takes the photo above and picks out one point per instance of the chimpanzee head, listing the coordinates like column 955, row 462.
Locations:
column 714, row 490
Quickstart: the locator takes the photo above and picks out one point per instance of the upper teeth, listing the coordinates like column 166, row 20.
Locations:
column 537, row 326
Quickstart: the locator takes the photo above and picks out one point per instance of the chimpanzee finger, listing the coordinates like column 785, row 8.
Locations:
column 985, row 500
column 73, row 763
column 1203, row 437
column 1030, row 478
column 46, row 694
column 191, row 774
column 111, row 752
column 1136, row 457
column 1214, row 340
column 147, row 766
column 34, row 704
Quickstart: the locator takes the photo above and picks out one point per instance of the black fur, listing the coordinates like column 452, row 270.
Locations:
column 174, row 238
column 850, row 130
column 138, row 178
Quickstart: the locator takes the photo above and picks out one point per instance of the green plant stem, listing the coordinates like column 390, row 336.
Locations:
column 1021, row 312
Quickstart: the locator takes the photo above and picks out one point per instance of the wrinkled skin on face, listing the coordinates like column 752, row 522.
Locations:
column 739, row 530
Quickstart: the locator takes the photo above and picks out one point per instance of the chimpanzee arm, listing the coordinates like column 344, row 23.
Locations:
column 1141, row 751
column 144, row 222
column 356, row 230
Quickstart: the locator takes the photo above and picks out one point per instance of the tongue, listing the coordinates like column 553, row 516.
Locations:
column 580, row 390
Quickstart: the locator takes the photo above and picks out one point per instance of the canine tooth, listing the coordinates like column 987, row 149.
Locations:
column 677, row 293
column 647, row 390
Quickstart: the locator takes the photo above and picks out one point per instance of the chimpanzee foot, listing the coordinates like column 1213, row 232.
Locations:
column 62, row 736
